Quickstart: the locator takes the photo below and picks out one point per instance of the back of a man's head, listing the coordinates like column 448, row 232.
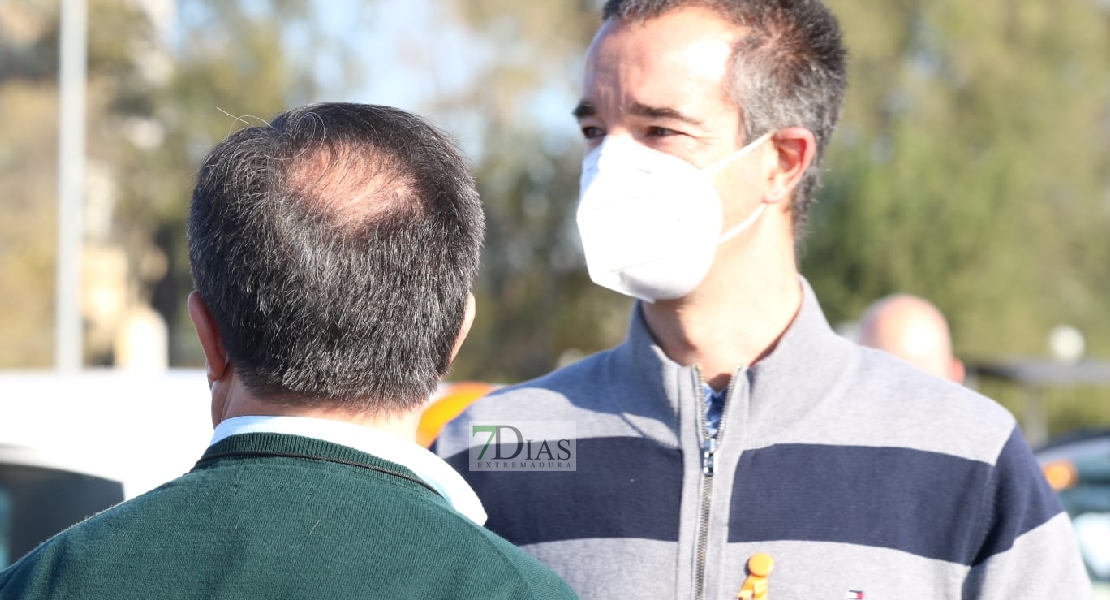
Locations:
column 914, row 330
column 335, row 249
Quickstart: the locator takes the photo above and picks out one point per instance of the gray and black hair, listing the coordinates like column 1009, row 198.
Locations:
column 788, row 70
column 335, row 249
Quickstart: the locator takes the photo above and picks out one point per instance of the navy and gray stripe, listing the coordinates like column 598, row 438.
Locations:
column 924, row 503
column 623, row 488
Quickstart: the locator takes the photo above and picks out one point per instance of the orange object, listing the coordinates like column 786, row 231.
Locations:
column 447, row 406
column 1061, row 474
column 755, row 586
column 760, row 565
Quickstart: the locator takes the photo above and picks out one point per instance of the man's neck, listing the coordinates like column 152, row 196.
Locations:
column 239, row 402
column 727, row 327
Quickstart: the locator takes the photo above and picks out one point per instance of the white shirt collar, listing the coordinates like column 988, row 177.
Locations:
column 429, row 467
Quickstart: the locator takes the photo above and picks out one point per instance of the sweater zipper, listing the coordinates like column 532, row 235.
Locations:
column 708, row 464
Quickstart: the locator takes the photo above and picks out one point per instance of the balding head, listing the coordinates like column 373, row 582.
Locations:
column 334, row 249
column 913, row 330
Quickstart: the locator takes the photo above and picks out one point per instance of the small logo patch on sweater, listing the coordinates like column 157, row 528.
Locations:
column 855, row 595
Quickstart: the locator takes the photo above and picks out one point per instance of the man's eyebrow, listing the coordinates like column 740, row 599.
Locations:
column 585, row 108
column 661, row 112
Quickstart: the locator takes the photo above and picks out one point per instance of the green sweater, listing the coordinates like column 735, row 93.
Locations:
column 282, row 516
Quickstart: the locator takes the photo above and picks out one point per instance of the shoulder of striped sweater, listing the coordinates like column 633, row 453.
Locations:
column 891, row 394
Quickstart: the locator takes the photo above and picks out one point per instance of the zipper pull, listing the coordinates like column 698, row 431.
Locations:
column 709, row 456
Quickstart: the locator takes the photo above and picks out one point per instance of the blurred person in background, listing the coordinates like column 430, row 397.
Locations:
column 734, row 446
column 914, row 330
column 333, row 252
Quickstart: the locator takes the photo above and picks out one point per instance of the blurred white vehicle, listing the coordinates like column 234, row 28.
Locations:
column 73, row 445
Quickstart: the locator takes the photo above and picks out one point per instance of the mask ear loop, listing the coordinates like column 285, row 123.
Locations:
column 717, row 166
column 743, row 225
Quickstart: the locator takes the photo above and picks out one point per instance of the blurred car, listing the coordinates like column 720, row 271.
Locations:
column 72, row 445
column 1078, row 468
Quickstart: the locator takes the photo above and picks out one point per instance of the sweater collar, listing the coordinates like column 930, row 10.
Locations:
column 802, row 368
column 809, row 325
column 810, row 364
column 430, row 468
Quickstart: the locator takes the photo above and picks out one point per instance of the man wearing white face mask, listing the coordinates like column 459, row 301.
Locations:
column 651, row 222
column 734, row 446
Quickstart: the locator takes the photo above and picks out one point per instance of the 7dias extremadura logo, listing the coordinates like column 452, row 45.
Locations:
column 522, row 446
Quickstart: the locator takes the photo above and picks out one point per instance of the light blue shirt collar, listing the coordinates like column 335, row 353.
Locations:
column 429, row 467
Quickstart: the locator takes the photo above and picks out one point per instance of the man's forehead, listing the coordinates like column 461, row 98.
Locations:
column 703, row 42
column 660, row 62
column 656, row 83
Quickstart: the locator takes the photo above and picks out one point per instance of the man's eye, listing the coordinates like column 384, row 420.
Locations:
column 661, row 132
column 590, row 132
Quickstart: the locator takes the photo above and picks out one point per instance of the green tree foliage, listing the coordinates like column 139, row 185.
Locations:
column 158, row 98
column 971, row 168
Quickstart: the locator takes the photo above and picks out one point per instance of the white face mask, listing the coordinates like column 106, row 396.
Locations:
column 651, row 222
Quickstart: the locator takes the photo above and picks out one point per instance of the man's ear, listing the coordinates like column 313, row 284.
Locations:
column 795, row 148
column 215, row 357
column 956, row 370
column 468, row 320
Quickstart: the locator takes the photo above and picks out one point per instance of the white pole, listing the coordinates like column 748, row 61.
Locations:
column 68, row 355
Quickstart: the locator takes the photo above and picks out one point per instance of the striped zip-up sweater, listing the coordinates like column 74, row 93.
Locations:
column 861, row 476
